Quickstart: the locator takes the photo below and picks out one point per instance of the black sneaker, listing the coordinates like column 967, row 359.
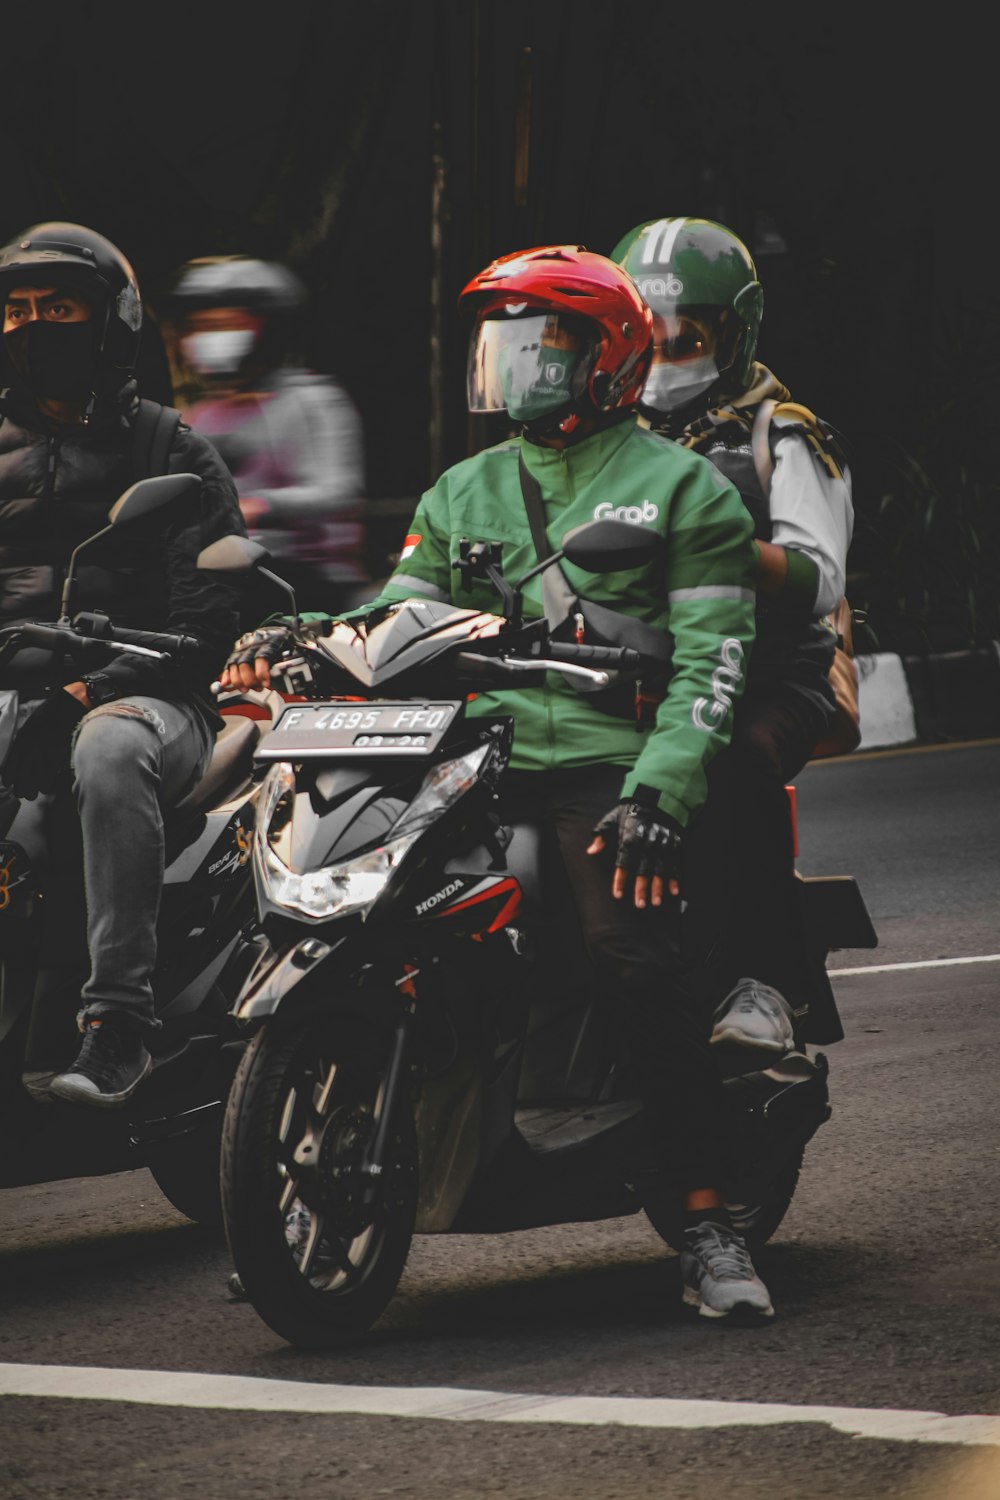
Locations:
column 111, row 1065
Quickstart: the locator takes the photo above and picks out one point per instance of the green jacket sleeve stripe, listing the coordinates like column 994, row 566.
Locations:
column 716, row 591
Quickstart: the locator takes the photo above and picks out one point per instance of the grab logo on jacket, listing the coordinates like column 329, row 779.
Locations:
column 636, row 514
column 709, row 715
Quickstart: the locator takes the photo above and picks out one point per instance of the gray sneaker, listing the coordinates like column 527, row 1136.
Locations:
column 718, row 1274
column 756, row 1016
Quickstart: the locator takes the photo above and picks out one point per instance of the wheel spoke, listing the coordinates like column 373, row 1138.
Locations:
column 322, row 1091
column 287, row 1114
column 311, row 1245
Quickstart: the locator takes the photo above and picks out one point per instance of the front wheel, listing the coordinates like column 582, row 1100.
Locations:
column 318, row 1242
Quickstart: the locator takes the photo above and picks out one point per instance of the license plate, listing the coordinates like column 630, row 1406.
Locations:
column 306, row 730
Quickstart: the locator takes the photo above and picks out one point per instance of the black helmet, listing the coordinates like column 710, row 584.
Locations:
column 263, row 286
column 73, row 255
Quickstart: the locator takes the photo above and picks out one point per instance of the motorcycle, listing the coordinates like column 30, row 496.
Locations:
column 426, row 1054
column 206, row 933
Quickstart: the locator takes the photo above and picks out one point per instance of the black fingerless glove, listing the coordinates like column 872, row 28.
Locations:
column 271, row 642
column 40, row 754
column 644, row 840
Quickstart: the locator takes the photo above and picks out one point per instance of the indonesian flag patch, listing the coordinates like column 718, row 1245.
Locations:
column 411, row 544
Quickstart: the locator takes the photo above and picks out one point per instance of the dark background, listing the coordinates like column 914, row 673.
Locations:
column 387, row 151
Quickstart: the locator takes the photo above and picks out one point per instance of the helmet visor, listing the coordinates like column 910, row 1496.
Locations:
column 529, row 366
column 697, row 333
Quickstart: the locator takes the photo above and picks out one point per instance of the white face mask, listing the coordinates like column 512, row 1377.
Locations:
column 220, row 352
column 669, row 386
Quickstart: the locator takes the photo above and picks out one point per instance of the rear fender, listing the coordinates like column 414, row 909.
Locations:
column 835, row 914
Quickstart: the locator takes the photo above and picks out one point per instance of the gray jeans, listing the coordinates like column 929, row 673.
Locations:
column 132, row 760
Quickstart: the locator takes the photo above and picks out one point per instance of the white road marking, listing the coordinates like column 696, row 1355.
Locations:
column 442, row 1404
column 924, row 963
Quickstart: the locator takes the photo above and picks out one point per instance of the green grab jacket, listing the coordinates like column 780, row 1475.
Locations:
column 701, row 592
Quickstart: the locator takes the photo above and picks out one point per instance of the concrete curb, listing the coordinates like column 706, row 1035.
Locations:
column 953, row 695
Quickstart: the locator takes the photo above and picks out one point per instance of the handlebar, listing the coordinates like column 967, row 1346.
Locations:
column 118, row 640
column 484, row 668
column 155, row 640
column 615, row 657
column 497, row 658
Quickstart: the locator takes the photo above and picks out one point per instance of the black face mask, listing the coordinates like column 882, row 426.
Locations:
column 53, row 360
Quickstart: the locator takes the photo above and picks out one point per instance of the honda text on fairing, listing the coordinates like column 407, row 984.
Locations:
column 426, row 1054
column 206, row 933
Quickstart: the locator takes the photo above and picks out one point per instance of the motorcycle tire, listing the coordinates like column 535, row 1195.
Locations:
column 186, row 1170
column 757, row 1222
column 319, row 1255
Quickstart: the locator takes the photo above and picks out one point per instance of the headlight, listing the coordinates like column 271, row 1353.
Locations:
column 354, row 884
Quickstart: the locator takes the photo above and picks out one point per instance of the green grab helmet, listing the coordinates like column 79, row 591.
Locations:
column 701, row 284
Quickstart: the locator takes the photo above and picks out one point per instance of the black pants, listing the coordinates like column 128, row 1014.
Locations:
column 745, row 912
column 635, row 959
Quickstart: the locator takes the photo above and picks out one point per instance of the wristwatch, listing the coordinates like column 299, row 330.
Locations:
column 100, row 688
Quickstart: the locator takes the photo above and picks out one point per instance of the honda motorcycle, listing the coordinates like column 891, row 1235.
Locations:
column 207, row 938
column 426, row 1051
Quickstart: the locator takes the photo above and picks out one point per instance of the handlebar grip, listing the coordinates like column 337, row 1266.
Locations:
column 594, row 656
column 47, row 635
column 155, row 640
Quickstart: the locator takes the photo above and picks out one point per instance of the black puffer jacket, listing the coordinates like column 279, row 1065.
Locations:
column 56, row 488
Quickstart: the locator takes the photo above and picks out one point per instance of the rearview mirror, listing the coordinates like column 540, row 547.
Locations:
column 607, row 546
column 139, row 500
column 232, row 554
column 238, row 554
column 152, row 494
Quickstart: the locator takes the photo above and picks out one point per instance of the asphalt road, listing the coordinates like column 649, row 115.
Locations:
column 885, row 1272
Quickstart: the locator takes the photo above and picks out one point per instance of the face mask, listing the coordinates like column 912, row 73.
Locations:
column 670, row 386
column 220, row 352
column 536, row 380
column 53, row 360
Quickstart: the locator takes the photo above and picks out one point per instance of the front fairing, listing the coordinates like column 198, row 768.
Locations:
column 341, row 822
column 410, row 649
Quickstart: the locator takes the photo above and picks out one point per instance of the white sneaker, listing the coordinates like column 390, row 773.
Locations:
column 754, row 1015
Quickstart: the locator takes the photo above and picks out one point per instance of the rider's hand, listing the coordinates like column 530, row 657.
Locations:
column 249, row 663
column 40, row 754
column 647, row 844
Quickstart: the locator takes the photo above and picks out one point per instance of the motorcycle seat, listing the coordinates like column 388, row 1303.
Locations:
column 231, row 764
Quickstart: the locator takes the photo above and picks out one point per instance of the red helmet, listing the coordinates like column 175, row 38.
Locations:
column 587, row 298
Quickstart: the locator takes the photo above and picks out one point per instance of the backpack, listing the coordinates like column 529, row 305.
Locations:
column 845, row 732
column 153, row 431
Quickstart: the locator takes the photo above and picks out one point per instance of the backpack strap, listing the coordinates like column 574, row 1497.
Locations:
column 153, row 430
column 760, row 444
column 562, row 603
column 789, row 416
column 559, row 599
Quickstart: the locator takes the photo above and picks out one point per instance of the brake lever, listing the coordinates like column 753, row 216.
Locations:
column 480, row 664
